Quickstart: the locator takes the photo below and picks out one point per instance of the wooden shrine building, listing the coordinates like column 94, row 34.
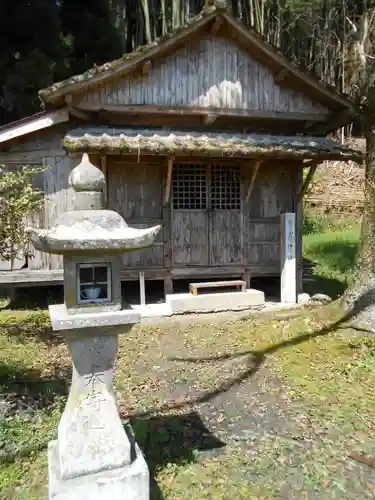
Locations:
column 207, row 131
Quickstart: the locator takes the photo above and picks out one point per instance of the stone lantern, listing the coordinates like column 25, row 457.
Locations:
column 93, row 457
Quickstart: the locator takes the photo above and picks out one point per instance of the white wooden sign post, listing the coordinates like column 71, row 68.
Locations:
column 288, row 259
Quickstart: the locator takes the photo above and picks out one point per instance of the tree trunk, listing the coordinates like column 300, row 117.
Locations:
column 359, row 299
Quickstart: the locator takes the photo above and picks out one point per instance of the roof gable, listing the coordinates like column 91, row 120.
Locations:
column 212, row 20
column 212, row 73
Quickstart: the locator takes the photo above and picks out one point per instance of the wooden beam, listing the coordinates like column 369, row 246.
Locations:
column 252, row 182
column 146, row 68
column 103, row 168
column 78, row 113
column 216, row 25
column 169, row 180
column 333, row 122
column 32, row 124
column 308, row 179
column 149, row 109
column 209, row 119
column 281, row 75
column 29, row 157
column 72, row 110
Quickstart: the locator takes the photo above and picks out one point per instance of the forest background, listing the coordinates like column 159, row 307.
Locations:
column 48, row 40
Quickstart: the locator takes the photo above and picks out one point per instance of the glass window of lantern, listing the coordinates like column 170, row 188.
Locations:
column 93, row 283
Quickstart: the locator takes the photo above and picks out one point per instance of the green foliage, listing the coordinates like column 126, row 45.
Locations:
column 318, row 221
column 18, row 201
column 77, row 34
column 93, row 38
column 333, row 254
column 32, row 54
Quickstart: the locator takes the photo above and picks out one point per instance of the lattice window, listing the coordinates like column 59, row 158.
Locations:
column 94, row 283
column 189, row 187
column 225, row 187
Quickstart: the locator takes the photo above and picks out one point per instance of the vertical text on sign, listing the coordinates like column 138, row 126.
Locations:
column 94, row 400
column 288, row 259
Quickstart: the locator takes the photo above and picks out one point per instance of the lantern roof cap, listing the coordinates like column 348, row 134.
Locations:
column 89, row 228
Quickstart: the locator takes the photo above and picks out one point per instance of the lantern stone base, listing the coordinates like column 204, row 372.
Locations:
column 131, row 482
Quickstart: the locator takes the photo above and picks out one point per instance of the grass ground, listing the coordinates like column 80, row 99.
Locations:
column 263, row 407
column 333, row 253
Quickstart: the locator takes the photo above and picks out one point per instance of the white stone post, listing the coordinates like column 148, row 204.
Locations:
column 288, row 291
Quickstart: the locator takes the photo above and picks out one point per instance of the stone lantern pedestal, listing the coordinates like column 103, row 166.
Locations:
column 93, row 457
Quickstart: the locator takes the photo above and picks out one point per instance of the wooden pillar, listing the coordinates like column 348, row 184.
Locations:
column 103, row 168
column 142, row 288
column 288, row 285
column 167, row 229
column 168, row 284
column 305, row 185
column 298, row 209
column 252, row 182
column 247, row 277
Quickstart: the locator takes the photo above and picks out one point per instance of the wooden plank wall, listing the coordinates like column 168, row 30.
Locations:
column 190, row 242
column 213, row 72
column 249, row 237
column 273, row 193
column 226, row 243
column 135, row 191
column 44, row 149
column 57, row 200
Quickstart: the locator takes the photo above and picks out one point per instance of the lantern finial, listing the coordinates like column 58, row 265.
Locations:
column 86, row 177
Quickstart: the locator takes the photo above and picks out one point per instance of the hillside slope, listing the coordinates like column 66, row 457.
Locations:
column 338, row 185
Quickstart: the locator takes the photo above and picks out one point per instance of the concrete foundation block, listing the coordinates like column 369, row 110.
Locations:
column 303, row 298
column 184, row 303
column 131, row 482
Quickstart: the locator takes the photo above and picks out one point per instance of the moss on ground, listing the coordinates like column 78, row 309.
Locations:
column 264, row 407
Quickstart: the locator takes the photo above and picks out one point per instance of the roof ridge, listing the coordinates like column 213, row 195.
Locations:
column 127, row 56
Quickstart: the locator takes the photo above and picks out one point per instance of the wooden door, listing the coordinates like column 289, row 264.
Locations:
column 206, row 215
column 225, row 219
column 190, row 232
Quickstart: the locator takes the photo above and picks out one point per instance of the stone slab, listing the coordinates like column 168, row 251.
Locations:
column 131, row 482
column 183, row 303
column 62, row 320
column 153, row 310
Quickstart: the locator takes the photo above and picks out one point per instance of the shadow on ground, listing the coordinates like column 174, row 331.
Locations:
column 319, row 284
column 24, row 390
column 339, row 255
column 254, row 360
column 35, row 298
column 333, row 262
column 172, row 439
column 36, row 327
